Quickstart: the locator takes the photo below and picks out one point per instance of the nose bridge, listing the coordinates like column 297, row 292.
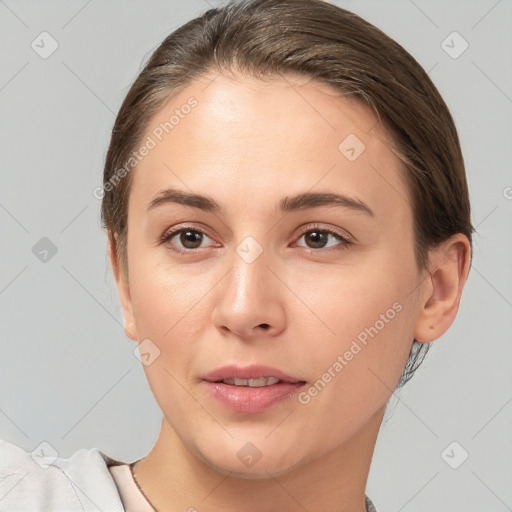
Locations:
column 249, row 274
column 249, row 300
column 249, row 270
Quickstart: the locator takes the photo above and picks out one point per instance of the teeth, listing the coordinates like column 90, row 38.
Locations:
column 252, row 383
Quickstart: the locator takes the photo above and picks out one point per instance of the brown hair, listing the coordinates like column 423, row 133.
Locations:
column 265, row 38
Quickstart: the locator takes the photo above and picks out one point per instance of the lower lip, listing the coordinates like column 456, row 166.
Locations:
column 252, row 400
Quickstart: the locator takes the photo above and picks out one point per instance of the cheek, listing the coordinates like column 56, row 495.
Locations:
column 170, row 312
column 368, row 321
column 353, row 375
column 167, row 300
column 345, row 301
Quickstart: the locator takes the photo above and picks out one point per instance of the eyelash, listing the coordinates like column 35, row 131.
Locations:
column 344, row 241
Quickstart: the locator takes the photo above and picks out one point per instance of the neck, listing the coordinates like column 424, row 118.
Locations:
column 174, row 479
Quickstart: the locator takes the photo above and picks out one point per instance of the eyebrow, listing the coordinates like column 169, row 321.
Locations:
column 287, row 204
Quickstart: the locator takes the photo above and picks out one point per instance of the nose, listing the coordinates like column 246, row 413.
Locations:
column 249, row 303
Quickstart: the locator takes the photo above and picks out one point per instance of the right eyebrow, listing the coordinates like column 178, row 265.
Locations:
column 172, row 195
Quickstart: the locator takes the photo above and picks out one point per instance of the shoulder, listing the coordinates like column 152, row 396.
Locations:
column 42, row 481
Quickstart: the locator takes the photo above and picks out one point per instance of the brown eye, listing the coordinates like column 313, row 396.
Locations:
column 318, row 239
column 185, row 239
column 190, row 239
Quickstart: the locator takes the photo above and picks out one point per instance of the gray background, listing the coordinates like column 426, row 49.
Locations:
column 67, row 372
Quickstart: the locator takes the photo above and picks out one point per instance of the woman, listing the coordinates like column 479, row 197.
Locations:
column 289, row 228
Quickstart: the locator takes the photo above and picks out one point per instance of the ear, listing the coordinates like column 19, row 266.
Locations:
column 442, row 288
column 123, row 288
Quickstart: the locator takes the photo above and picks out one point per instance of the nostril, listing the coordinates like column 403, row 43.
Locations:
column 265, row 326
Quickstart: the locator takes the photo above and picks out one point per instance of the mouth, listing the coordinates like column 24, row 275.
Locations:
column 251, row 389
column 252, row 383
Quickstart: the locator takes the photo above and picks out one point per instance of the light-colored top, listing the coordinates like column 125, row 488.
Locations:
column 41, row 481
column 133, row 500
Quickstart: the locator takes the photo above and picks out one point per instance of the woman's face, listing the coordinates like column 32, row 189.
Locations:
column 291, row 250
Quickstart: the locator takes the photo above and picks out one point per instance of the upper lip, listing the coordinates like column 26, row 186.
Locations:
column 254, row 371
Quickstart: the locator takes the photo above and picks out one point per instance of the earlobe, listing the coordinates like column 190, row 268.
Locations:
column 123, row 288
column 442, row 290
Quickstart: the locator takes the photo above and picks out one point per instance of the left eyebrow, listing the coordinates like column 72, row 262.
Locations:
column 314, row 200
column 287, row 204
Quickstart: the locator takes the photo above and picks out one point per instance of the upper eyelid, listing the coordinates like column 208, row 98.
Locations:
column 175, row 230
column 342, row 233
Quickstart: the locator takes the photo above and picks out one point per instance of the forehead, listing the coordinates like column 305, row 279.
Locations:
column 259, row 137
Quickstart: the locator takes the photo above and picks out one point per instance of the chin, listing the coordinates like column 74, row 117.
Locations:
column 260, row 471
column 249, row 462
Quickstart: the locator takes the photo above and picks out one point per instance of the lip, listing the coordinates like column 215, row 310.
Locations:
column 245, row 399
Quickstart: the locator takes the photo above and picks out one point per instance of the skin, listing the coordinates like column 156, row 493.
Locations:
column 248, row 144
